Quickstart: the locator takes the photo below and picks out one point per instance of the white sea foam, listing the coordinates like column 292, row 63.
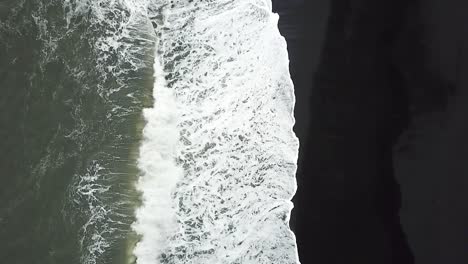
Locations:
column 219, row 155
column 123, row 32
column 156, row 218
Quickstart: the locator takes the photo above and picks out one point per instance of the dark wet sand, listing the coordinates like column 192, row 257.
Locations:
column 382, row 114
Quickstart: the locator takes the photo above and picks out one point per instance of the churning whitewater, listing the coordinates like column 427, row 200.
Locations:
column 218, row 157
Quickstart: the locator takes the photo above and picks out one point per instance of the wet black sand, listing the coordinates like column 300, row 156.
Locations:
column 382, row 114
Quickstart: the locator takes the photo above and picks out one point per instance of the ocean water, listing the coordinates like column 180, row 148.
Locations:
column 145, row 131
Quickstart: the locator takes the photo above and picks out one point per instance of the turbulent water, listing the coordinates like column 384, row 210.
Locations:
column 145, row 131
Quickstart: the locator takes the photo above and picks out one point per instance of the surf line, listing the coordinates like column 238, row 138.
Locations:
column 155, row 218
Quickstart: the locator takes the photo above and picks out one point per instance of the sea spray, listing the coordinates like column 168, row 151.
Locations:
column 160, row 173
column 218, row 158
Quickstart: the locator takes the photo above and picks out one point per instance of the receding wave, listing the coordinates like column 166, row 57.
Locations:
column 218, row 158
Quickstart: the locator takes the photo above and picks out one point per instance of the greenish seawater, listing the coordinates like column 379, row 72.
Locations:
column 73, row 85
